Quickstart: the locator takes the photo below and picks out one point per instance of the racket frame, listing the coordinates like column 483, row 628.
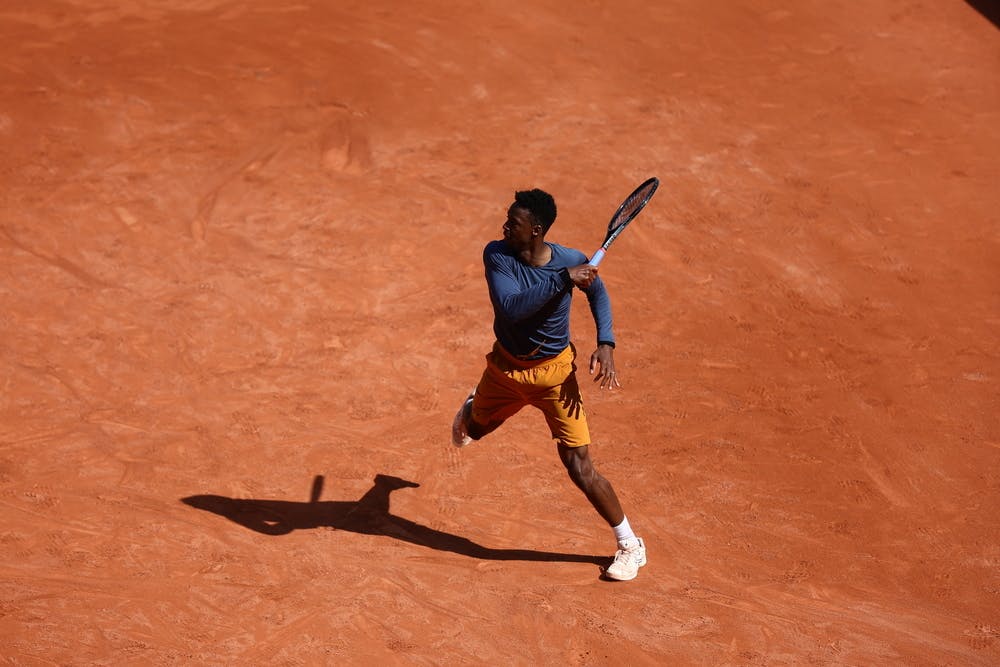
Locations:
column 614, row 232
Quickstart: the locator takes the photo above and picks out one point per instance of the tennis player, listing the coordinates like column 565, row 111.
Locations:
column 533, row 362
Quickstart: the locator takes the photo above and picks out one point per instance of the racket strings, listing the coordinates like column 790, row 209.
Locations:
column 633, row 205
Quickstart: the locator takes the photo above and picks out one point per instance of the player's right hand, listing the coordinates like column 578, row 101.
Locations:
column 583, row 275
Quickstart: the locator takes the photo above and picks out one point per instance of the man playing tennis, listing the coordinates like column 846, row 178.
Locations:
column 531, row 285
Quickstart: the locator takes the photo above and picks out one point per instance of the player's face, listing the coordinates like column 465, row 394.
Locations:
column 520, row 228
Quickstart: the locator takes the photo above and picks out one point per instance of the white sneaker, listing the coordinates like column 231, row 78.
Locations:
column 628, row 559
column 460, row 427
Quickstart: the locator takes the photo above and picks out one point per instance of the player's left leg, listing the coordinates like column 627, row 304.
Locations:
column 598, row 490
column 562, row 405
column 631, row 554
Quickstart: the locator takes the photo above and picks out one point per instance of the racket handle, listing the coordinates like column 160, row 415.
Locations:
column 598, row 256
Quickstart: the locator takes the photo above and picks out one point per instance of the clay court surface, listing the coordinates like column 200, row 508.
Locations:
column 241, row 298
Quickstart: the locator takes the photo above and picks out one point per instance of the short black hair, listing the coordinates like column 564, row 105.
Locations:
column 540, row 204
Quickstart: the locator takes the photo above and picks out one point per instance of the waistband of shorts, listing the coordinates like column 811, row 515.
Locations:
column 568, row 352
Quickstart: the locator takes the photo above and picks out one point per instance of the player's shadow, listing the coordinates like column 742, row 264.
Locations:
column 990, row 10
column 369, row 516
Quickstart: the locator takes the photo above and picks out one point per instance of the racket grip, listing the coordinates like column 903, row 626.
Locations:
column 598, row 256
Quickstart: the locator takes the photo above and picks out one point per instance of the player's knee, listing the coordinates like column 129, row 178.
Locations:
column 578, row 465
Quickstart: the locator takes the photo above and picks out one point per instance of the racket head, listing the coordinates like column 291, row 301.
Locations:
column 633, row 204
column 629, row 208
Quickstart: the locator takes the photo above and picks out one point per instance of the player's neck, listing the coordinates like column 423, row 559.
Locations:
column 539, row 254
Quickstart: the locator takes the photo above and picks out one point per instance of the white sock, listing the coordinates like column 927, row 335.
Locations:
column 623, row 531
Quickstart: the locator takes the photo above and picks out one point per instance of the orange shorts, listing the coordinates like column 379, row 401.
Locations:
column 508, row 384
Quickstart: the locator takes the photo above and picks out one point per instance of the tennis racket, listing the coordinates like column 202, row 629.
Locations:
column 624, row 215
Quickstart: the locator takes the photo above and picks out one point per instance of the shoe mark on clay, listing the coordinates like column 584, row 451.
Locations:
column 447, row 509
column 798, row 573
column 859, row 489
column 345, row 147
column 453, row 457
column 982, row 636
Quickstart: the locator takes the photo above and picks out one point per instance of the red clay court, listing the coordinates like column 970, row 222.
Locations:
column 241, row 298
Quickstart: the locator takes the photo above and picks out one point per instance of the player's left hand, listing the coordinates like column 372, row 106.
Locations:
column 602, row 361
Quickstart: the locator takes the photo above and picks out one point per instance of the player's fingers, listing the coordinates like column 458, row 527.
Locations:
column 607, row 379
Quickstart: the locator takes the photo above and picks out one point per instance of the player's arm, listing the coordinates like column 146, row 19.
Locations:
column 515, row 302
column 602, row 361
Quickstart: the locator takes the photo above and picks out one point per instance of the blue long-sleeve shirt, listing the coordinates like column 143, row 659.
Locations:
column 531, row 305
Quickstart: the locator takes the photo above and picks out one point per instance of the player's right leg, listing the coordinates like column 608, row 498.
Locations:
column 460, row 436
column 492, row 402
